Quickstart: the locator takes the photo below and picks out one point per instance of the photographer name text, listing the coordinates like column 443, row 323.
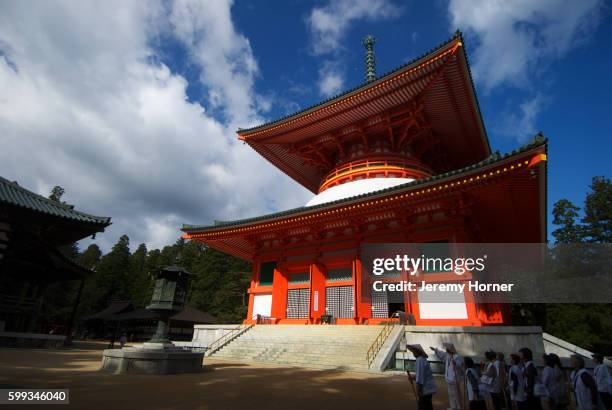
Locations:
column 423, row 286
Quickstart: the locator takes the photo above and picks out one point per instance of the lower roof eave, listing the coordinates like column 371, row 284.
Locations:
column 538, row 146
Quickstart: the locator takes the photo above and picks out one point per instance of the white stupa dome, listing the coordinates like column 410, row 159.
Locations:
column 353, row 188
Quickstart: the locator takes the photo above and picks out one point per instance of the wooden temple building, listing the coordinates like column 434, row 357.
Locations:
column 403, row 158
column 33, row 232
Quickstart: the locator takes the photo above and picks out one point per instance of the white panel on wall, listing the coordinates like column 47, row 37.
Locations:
column 262, row 305
column 442, row 305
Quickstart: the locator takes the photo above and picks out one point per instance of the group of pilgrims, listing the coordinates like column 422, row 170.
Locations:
column 518, row 385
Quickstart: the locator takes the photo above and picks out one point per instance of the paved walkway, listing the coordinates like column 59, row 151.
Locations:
column 221, row 385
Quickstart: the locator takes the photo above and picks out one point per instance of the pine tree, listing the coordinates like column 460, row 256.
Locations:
column 140, row 282
column 91, row 257
column 112, row 276
column 597, row 219
column 565, row 215
column 220, row 285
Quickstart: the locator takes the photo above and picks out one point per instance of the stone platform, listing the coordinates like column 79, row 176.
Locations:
column 345, row 346
column 151, row 360
column 31, row 340
column 473, row 341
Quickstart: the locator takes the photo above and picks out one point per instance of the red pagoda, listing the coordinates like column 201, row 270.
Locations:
column 403, row 158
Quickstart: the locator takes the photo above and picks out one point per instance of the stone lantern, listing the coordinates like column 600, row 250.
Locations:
column 159, row 355
column 169, row 296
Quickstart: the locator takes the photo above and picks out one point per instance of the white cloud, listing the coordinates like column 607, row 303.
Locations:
column 328, row 26
column 224, row 55
column 331, row 79
column 516, row 38
column 86, row 103
column 522, row 124
column 529, row 111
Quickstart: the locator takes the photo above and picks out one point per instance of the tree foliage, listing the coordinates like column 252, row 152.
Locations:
column 565, row 215
column 586, row 325
column 597, row 220
column 218, row 287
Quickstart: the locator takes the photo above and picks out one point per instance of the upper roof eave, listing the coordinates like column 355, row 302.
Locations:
column 244, row 133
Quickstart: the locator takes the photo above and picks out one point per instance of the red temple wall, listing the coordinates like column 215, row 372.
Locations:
column 332, row 253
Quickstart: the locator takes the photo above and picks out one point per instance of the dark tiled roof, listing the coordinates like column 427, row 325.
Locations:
column 538, row 140
column 189, row 315
column 366, row 84
column 174, row 268
column 116, row 307
column 193, row 315
column 12, row 194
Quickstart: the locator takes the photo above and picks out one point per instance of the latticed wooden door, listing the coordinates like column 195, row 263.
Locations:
column 297, row 303
column 380, row 305
column 340, row 301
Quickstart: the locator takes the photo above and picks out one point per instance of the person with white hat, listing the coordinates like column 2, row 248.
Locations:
column 453, row 373
column 426, row 385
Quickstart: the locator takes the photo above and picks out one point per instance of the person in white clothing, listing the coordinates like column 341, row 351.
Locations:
column 502, row 371
column 492, row 379
column 583, row 385
column 426, row 385
column 603, row 379
column 553, row 379
column 453, row 373
column 516, row 382
column 531, row 379
column 474, row 389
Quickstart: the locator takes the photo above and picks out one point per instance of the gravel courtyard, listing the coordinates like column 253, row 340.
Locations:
column 221, row 385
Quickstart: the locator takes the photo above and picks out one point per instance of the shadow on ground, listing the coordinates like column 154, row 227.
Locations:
column 220, row 385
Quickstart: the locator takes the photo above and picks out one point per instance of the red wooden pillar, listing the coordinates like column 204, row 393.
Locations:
column 317, row 293
column 279, row 294
column 363, row 309
column 405, row 277
column 250, row 291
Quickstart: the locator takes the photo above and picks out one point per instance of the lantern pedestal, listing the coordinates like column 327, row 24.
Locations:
column 159, row 355
column 157, row 345
column 147, row 360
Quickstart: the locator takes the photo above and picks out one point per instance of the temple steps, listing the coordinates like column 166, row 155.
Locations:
column 327, row 347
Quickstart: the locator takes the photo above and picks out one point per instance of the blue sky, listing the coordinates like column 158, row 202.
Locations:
column 132, row 107
column 570, row 93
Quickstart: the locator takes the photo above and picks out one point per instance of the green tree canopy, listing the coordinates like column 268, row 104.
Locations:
column 587, row 326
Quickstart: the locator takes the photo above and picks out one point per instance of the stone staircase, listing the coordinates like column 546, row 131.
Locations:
column 327, row 347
